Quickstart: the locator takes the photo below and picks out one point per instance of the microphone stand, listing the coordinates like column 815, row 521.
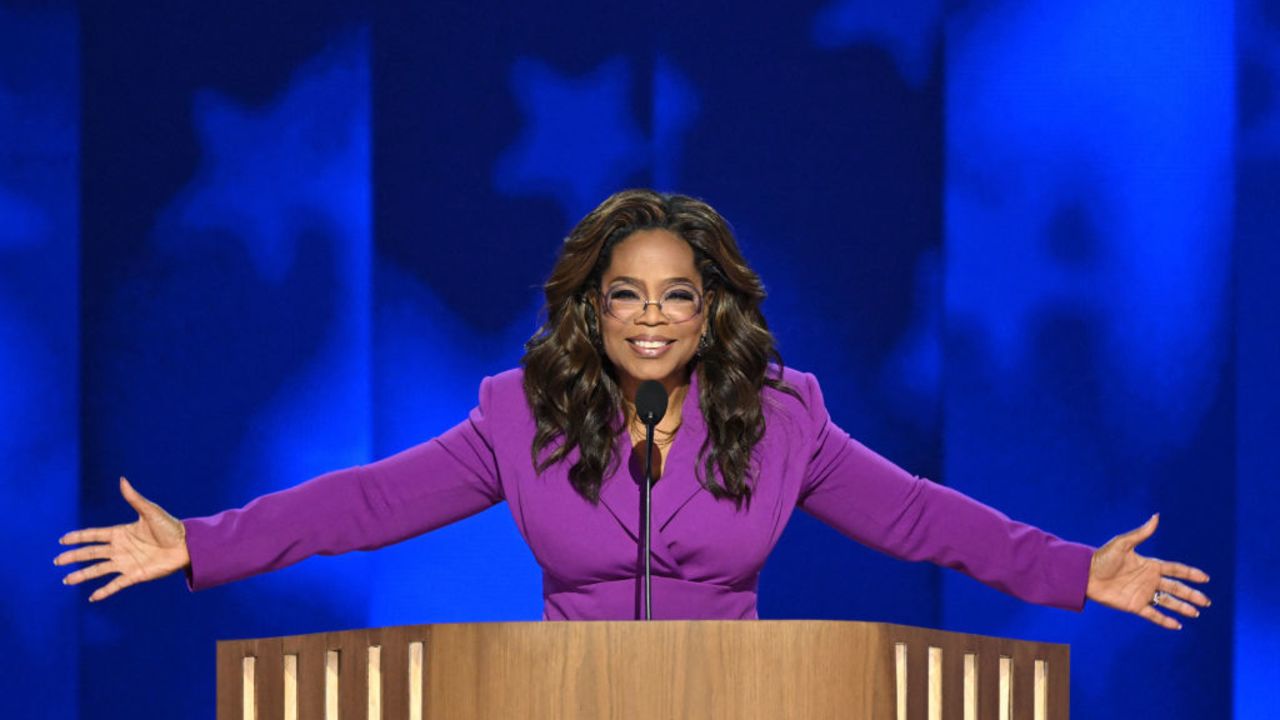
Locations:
column 651, row 406
column 649, row 423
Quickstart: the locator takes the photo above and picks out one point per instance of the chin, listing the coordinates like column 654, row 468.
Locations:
column 641, row 370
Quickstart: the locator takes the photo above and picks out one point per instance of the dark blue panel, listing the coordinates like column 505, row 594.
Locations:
column 39, row 350
column 1257, row 628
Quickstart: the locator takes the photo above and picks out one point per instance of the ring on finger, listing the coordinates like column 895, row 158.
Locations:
column 1156, row 597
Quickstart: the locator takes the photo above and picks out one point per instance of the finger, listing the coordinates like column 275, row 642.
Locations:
column 1186, row 572
column 1169, row 602
column 1159, row 618
column 1182, row 591
column 82, row 554
column 87, row 535
column 150, row 512
column 1139, row 535
column 119, row 583
column 90, row 572
column 134, row 498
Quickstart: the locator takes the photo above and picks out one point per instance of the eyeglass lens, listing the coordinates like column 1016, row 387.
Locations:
column 677, row 304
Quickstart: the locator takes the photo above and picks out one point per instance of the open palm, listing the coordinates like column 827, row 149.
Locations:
column 152, row 547
column 1121, row 578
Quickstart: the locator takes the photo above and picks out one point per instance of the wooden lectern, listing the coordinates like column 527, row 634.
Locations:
column 810, row 670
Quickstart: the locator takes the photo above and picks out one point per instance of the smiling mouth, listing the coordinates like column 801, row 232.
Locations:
column 649, row 348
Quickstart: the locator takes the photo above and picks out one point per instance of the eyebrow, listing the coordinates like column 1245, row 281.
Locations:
column 636, row 281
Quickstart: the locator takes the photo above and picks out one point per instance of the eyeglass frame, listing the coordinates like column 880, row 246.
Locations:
column 603, row 298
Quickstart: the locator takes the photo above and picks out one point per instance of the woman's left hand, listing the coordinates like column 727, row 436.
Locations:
column 1121, row 578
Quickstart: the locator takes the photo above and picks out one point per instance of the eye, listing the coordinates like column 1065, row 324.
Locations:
column 623, row 294
column 679, row 295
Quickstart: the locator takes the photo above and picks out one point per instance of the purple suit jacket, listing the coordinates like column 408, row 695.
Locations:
column 707, row 554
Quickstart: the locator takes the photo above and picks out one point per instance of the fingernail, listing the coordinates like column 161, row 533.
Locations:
column 64, row 581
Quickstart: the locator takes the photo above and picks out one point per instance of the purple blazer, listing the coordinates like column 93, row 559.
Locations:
column 707, row 554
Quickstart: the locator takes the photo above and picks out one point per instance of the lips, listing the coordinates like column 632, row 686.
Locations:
column 649, row 345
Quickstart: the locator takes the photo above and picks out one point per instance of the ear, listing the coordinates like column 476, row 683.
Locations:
column 704, row 329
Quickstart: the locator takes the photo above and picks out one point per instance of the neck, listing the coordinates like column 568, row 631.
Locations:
column 676, row 393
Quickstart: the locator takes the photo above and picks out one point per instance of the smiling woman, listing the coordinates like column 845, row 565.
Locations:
column 647, row 287
column 605, row 334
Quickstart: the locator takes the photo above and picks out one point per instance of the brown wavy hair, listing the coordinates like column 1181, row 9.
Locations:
column 572, row 387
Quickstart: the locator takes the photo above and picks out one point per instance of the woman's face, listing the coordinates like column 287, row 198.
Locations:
column 646, row 344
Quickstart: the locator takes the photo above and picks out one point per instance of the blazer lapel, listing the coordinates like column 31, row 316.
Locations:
column 621, row 495
column 679, row 483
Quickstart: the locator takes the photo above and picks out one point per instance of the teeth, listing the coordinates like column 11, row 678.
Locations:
column 649, row 344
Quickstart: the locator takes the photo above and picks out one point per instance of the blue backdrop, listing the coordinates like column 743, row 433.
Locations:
column 1028, row 248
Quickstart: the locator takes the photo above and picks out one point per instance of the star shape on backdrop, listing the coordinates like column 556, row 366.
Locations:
column 581, row 140
column 910, row 31
column 301, row 163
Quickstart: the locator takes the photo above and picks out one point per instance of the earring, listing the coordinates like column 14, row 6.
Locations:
column 704, row 343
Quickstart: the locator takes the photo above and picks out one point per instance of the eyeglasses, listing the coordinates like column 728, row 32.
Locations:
column 677, row 304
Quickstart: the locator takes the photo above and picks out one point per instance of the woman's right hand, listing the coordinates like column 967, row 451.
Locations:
column 152, row 547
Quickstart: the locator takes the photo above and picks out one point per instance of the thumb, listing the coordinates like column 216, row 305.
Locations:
column 143, row 506
column 1136, row 537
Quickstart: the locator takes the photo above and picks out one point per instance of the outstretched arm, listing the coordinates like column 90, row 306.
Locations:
column 360, row 508
column 871, row 500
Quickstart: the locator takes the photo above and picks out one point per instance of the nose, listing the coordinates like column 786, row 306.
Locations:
column 646, row 318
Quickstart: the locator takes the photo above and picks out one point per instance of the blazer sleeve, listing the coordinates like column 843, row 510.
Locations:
column 420, row 489
column 873, row 501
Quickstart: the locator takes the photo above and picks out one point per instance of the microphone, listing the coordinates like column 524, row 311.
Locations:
column 651, row 402
column 651, row 406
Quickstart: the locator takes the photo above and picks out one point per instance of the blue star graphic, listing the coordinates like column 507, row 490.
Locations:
column 910, row 31
column 302, row 163
column 580, row 141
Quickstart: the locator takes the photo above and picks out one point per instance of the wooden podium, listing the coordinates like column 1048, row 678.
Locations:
column 810, row 670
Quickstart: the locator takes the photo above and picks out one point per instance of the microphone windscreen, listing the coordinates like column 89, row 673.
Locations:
column 651, row 402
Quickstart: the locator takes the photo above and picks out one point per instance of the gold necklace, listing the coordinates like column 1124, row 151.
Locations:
column 661, row 438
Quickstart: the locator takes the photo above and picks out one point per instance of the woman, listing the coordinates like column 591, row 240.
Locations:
column 647, row 287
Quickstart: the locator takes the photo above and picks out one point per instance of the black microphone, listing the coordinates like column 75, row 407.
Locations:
column 651, row 402
column 651, row 406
